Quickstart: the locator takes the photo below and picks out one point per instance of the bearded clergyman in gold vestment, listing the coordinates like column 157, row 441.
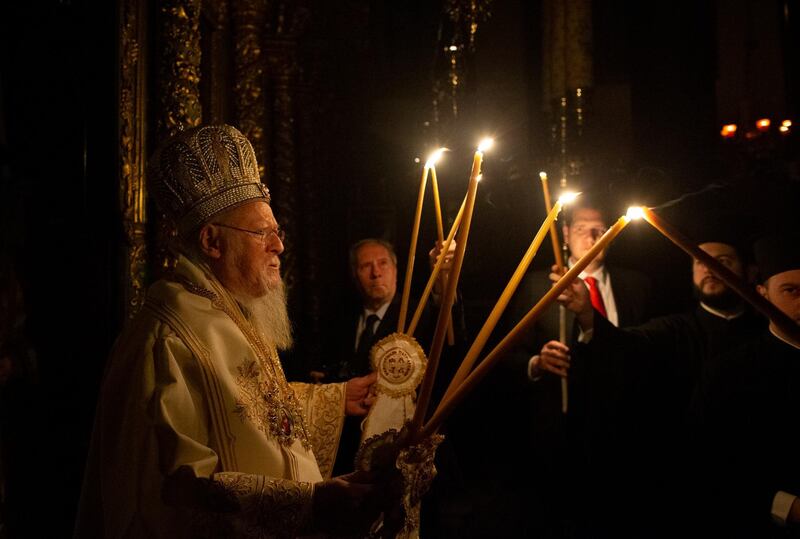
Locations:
column 198, row 433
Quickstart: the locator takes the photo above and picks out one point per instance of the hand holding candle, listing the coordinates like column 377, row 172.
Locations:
column 505, row 297
column 437, row 205
column 512, row 339
column 449, row 296
column 412, row 326
column 562, row 313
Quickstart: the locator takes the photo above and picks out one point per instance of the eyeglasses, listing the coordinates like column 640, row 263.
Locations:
column 583, row 231
column 263, row 235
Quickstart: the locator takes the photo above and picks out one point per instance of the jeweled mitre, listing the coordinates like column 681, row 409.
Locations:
column 203, row 171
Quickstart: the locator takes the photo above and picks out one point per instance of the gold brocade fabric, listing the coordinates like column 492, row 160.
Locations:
column 324, row 406
column 194, row 403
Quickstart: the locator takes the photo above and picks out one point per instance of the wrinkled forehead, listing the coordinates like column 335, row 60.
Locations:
column 254, row 214
column 371, row 252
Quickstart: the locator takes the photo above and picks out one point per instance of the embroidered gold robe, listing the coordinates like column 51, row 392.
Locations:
column 197, row 432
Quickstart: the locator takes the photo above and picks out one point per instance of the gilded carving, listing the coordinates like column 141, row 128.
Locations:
column 250, row 104
column 179, row 68
column 286, row 22
column 178, row 90
column 214, row 80
column 132, row 84
column 284, row 174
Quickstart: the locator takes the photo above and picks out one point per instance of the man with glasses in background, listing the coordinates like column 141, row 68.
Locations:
column 535, row 369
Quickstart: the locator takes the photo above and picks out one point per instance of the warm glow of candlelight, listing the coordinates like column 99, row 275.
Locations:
column 786, row 123
column 485, row 144
column 729, row 130
column 543, row 175
column 434, row 157
column 735, row 282
column 568, row 197
column 455, row 395
column 763, row 124
column 446, row 305
column 479, row 178
column 499, row 308
column 635, row 212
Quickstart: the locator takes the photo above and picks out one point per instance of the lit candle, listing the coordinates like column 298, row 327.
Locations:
column 553, row 233
column 437, row 206
column 511, row 340
column 450, row 291
column 734, row 282
column 412, row 326
column 412, row 248
column 505, row 297
column 562, row 312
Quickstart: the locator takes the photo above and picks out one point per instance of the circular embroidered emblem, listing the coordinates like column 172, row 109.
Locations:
column 400, row 363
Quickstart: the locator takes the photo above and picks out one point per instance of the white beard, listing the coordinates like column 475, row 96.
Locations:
column 269, row 316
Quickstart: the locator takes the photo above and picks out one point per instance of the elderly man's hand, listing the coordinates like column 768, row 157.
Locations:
column 576, row 298
column 358, row 394
column 350, row 504
column 554, row 358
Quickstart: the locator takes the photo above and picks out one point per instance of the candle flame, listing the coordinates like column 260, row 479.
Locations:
column 763, row 124
column 543, row 175
column 635, row 212
column 485, row 144
column 728, row 130
column 568, row 197
column 786, row 123
column 434, row 157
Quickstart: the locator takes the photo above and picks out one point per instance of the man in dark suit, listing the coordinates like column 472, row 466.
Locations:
column 660, row 363
column 747, row 409
column 373, row 267
column 593, row 425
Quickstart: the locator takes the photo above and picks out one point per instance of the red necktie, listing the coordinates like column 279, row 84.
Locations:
column 594, row 294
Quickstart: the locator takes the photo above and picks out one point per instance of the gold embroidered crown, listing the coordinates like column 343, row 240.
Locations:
column 202, row 171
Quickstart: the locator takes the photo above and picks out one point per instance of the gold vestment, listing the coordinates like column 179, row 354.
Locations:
column 197, row 432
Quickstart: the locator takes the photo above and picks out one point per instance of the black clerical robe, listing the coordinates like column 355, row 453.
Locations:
column 747, row 410
column 655, row 368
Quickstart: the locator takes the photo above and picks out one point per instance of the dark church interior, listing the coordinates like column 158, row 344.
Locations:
column 689, row 107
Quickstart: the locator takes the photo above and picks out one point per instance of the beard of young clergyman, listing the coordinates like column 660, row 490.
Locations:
column 725, row 300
